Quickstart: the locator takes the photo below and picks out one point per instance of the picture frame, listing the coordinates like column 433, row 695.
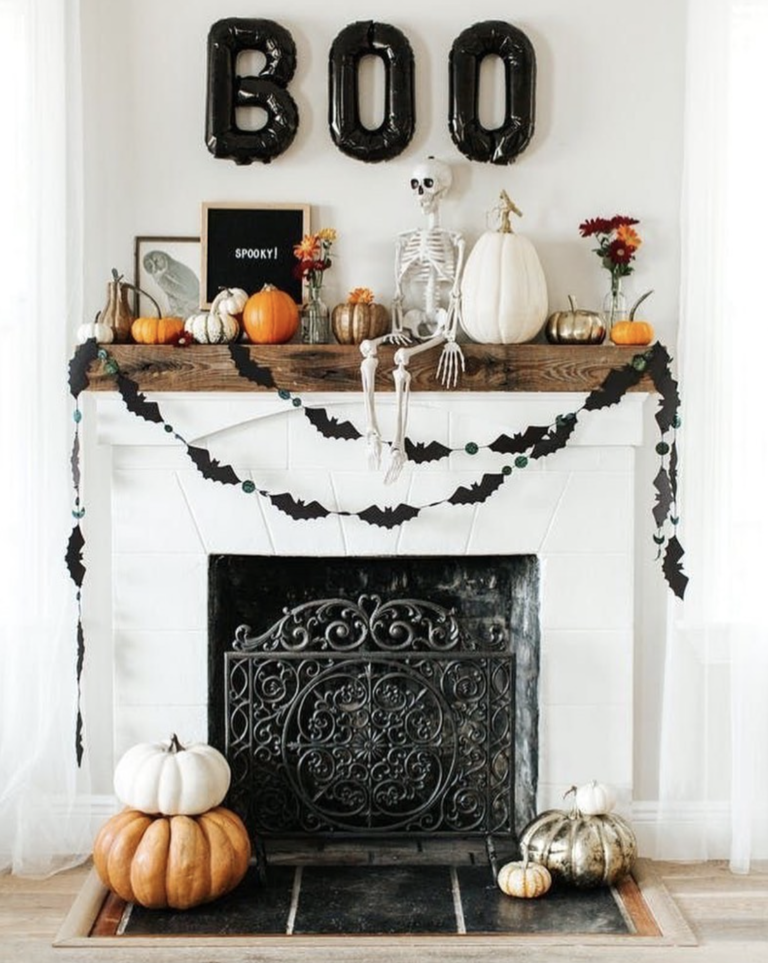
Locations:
column 247, row 245
column 168, row 269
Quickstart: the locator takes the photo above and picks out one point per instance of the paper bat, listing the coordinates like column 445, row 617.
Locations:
column 556, row 438
column 74, row 556
column 421, row 452
column 331, row 427
column 247, row 368
column 520, row 442
column 210, row 468
column 135, row 401
column 84, row 355
column 388, row 517
column 298, row 509
column 673, row 571
column 616, row 384
column 478, row 492
column 663, row 497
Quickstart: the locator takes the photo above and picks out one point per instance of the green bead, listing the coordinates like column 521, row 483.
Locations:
column 521, row 461
column 471, row 448
column 639, row 362
column 102, row 354
column 78, row 513
column 662, row 448
column 168, row 428
column 677, row 421
column 506, row 470
column 77, row 416
column 296, row 402
column 111, row 367
column 284, row 394
column 249, row 487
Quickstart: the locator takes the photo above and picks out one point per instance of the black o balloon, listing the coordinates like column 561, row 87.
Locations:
column 226, row 91
column 503, row 144
column 355, row 41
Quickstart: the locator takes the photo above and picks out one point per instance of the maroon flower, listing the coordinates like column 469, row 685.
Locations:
column 595, row 225
column 620, row 220
column 183, row 339
column 619, row 253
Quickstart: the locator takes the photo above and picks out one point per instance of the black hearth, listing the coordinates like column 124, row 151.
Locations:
column 376, row 696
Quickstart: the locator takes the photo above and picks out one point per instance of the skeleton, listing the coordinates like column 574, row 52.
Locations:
column 431, row 260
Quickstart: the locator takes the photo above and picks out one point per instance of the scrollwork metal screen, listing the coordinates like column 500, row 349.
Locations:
column 370, row 715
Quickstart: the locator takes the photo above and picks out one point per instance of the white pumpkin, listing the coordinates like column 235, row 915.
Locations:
column 503, row 288
column 171, row 779
column 524, row 880
column 103, row 333
column 595, row 798
column 220, row 324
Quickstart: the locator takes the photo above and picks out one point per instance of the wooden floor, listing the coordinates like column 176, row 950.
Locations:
column 729, row 915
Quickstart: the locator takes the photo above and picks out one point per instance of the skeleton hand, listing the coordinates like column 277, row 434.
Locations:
column 451, row 360
column 398, row 335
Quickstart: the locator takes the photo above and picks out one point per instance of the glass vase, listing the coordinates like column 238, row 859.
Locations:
column 614, row 306
column 315, row 318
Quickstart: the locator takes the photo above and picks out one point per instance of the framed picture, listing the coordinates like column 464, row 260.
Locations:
column 249, row 245
column 168, row 269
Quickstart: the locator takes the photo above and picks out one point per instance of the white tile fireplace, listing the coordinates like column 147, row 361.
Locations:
column 152, row 521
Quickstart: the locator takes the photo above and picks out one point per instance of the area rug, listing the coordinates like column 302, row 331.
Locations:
column 301, row 905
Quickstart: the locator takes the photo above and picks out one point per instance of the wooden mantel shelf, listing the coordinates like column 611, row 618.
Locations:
column 336, row 367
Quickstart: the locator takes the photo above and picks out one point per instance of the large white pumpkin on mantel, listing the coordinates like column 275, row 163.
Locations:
column 172, row 779
column 503, row 288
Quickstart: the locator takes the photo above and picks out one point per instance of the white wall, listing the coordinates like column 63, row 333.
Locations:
column 607, row 140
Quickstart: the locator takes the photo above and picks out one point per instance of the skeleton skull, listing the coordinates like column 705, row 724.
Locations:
column 430, row 181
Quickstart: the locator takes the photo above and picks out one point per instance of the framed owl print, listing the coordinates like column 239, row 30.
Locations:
column 168, row 269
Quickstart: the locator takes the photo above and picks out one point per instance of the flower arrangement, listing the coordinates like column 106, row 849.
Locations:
column 617, row 242
column 314, row 256
column 360, row 296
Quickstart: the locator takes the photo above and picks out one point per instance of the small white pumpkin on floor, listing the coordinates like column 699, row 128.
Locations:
column 170, row 779
column 524, row 880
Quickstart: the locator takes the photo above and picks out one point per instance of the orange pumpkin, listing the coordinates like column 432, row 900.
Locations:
column 633, row 332
column 176, row 861
column 270, row 316
column 156, row 330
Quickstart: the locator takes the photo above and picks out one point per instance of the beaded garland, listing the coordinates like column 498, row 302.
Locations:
column 536, row 441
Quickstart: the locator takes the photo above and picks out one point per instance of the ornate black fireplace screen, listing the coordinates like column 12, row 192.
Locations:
column 369, row 715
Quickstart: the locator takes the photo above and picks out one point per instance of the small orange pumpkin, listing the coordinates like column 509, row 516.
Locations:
column 270, row 316
column 633, row 332
column 156, row 330
column 176, row 861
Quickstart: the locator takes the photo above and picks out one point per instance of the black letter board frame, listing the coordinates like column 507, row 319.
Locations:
column 248, row 245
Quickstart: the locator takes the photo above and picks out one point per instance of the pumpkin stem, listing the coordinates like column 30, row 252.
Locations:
column 637, row 304
column 506, row 209
column 572, row 302
column 175, row 745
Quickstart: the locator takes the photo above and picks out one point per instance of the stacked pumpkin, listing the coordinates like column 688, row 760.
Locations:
column 585, row 847
column 175, row 845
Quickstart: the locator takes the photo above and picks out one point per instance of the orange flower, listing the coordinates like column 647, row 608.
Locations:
column 628, row 236
column 360, row 296
column 308, row 249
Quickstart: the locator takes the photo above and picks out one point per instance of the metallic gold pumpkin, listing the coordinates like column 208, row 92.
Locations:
column 585, row 851
column 576, row 326
column 355, row 323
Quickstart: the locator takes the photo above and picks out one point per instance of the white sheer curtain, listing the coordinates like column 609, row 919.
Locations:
column 42, row 828
column 714, row 753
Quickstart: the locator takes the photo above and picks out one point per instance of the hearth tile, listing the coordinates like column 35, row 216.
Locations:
column 376, row 899
column 516, row 519
column 147, row 664
column 228, row 520
column 594, row 515
column 159, row 591
column 586, row 667
column 149, row 513
column 252, row 908
column 587, row 742
column 561, row 910
column 587, row 591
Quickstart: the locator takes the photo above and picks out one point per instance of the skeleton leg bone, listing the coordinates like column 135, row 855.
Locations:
column 370, row 363
column 402, row 379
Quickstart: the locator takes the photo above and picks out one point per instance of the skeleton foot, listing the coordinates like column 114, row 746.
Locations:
column 397, row 459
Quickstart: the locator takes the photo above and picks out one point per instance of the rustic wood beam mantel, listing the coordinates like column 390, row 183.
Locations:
column 336, row 367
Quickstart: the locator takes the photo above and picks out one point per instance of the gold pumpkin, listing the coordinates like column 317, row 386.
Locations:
column 172, row 861
column 354, row 323
column 575, row 326
column 524, row 880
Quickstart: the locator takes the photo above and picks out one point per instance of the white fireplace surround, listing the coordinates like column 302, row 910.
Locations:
column 152, row 521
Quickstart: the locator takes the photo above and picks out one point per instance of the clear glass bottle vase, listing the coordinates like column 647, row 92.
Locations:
column 315, row 318
column 614, row 306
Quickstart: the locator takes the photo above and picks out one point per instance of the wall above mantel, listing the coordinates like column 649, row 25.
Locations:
column 335, row 367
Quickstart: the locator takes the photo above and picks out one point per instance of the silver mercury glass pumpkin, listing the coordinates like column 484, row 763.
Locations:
column 576, row 326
